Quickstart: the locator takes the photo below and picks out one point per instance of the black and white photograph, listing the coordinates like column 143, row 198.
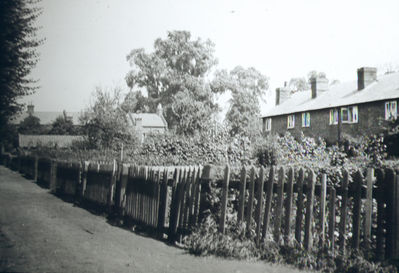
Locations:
column 257, row 136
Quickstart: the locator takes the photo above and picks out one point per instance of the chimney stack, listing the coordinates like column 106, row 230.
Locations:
column 282, row 94
column 30, row 109
column 365, row 76
column 318, row 85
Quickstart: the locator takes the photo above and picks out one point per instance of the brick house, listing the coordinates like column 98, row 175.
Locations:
column 143, row 124
column 353, row 108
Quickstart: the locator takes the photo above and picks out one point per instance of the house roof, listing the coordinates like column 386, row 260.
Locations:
column 386, row 87
column 148, row 120
column 46, row 118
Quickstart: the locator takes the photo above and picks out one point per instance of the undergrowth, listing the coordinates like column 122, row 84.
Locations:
column 236, row 243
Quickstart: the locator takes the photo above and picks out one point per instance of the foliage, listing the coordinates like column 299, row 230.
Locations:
column 30, row 126
column 18, row 56
column 391, row 137
column 62, row 125
column 135, row 102
column 174, row 75
column 247, row 86
column 104, row 122
column 298, row 84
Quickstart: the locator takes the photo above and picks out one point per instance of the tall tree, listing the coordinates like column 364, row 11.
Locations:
column 173, row 73
column 18, row 55
column 247, row 87
column 30, row 126
column 62, row 125
column 104, row 122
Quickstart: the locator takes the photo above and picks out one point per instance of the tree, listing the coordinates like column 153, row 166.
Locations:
column 135, row 102
column 18, row 56
column 173, row 73
column 104, row 122
column 30, row 126
column 247, row 86
column 62, row 125
column 298, row 84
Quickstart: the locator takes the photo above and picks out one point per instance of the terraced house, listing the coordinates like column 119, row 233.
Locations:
column 354, row 108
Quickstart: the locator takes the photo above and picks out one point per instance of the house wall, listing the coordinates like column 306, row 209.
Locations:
column 368, row 124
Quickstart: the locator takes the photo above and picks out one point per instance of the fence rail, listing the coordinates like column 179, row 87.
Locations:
column 287, row 204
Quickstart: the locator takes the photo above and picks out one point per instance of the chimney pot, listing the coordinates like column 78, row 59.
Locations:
column 365, row 76
column 318, row 85
column 30, row 109
column 282, row 94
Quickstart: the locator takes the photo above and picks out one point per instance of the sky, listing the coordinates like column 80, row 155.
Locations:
column 87, row 41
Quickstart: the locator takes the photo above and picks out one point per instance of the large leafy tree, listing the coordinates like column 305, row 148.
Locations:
column 175, row 76
column 18, row 55
column 30, row 126
column 63, row 125
column 247, row 86
column 104, row 122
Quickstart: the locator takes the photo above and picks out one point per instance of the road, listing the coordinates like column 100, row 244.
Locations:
column 41, row 233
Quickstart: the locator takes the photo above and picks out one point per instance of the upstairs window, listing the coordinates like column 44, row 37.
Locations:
column 306, row 119
column 291, row 121
column 333, row 116
column 391, row 110
column 268, row 125
column 349, row 114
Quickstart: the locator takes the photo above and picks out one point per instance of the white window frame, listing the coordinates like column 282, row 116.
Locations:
column 352, row 114
column 391, row 110
column 306, row 119
column 268, row 124
column 334, row 116
column 290, row 121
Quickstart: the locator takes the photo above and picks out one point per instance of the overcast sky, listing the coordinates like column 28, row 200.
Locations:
column 87, row 40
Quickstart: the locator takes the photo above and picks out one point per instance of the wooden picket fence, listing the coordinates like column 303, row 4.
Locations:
column 282, row 204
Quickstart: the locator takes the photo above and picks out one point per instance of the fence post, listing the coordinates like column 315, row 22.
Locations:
column 53, row 176
column 396, row 217
column 243, row 182
column 250, row 199
column 279, row 204
column 197, row 197
column 121, row 188
column 299, row 205
column 308, row 242
column 173, row 222
column 35, row 168
column 269, row 198
column 357, row 199
column 331, row 224
column 288, row 204
column 323, row 195
column 224, row 199
column 379, row 251
column 368, row 208
column 163, row 203
column 259, row 206
column 389, row 217
column 344, row 211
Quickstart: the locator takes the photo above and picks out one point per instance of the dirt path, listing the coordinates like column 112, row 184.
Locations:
column 41, row 233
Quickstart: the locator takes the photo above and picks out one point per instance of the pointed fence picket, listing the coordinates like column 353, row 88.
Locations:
column 360, row 211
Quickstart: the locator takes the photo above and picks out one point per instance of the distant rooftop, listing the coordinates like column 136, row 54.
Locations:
column 147, row 120
column 386, row 87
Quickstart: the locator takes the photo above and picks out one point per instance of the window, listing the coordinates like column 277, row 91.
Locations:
column 268, row 125
column 391, row 110
column 291, row 121
column 333, row 116
column 306, row 119
column 349, row 114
